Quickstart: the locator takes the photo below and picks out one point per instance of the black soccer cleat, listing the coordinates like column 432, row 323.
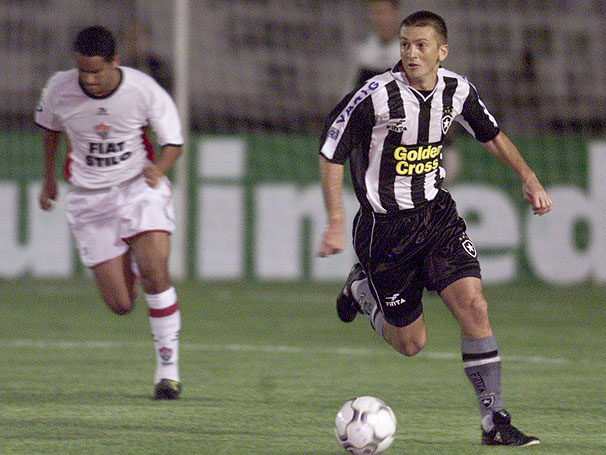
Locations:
column 505, row 434
column 167, row 389
column 347, row 307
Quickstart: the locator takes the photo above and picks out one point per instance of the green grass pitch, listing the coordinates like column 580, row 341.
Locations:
column 265, row 368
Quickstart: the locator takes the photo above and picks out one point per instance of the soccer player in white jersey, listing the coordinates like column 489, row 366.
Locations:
column 119, row 206
column 380, row 50
column 407, row 234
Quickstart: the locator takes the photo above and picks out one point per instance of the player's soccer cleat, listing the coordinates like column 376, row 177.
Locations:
column 347, row 307
column 167, row 389
column 505, row 434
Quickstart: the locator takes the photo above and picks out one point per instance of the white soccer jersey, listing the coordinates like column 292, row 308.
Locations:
column 376, row 55
column 371, row 57
column 107, row 136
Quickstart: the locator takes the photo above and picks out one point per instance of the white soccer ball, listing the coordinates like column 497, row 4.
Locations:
column 365, row 426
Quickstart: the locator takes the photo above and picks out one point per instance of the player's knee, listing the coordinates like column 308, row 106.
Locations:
column 155, row 281
column 121, row 311
column 411, row 346
column 121, row 307
column 473, row 318
column 471, row 305
column 409, row 349
column 477, row 309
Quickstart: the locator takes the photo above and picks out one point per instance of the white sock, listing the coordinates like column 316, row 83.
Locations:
column 165, row 322
column 377, row 321
column 361, row 294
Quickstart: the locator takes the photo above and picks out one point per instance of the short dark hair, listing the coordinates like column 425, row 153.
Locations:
column 96, row 41
column 427, row 18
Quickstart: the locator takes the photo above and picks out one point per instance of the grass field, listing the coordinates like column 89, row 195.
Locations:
column 265, row 367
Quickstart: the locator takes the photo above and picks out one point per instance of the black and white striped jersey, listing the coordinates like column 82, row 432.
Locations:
column 393, row 135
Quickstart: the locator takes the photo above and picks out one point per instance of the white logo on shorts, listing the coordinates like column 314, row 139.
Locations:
column 469, row 247
column 394, row 300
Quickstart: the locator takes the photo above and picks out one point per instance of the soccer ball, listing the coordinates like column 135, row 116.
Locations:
column 365, row 426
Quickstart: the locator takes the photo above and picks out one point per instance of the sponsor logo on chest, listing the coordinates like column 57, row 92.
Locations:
column 102, row 130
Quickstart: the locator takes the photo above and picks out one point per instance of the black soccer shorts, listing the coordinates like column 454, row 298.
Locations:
column 405, row 252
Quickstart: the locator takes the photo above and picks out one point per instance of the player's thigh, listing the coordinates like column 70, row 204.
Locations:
column 116, row 282
column 450, row 255
column 151, row 250
column 95, row 222
column 399, row 291
column 146, row 209
column 386, row 250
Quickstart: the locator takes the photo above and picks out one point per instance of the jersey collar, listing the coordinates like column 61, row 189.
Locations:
column 398, row 73
column 109, row 94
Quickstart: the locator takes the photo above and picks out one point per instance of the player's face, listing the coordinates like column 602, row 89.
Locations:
column 97, row 76
column 384, row 17
column 421, row 54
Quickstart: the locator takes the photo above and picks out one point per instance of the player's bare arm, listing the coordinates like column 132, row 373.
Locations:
column 507, row 153
column 168, row 158
column 48, row 193
column 333, row 240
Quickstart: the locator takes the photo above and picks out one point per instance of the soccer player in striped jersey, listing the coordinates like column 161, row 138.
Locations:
column 119, row 206
column 407, row 234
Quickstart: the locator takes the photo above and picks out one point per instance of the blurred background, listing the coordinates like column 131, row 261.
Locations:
column 280, row 65
column 254, row 81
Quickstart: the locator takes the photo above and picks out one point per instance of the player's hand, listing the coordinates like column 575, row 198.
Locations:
column 537, row 197
column 333, row 241
column 152, row 175
column 48, row 195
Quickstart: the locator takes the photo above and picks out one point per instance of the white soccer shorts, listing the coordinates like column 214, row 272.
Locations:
column 103, row 220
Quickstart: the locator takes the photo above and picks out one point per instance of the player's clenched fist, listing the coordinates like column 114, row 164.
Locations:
column 47, row 195
column 152, row 174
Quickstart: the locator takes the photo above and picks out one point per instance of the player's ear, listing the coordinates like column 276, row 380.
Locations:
column 116, row 60
column 443, row 52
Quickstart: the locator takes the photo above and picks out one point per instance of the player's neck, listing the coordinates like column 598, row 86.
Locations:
column 115, row 81
column 111, row 85
column 423, row 84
